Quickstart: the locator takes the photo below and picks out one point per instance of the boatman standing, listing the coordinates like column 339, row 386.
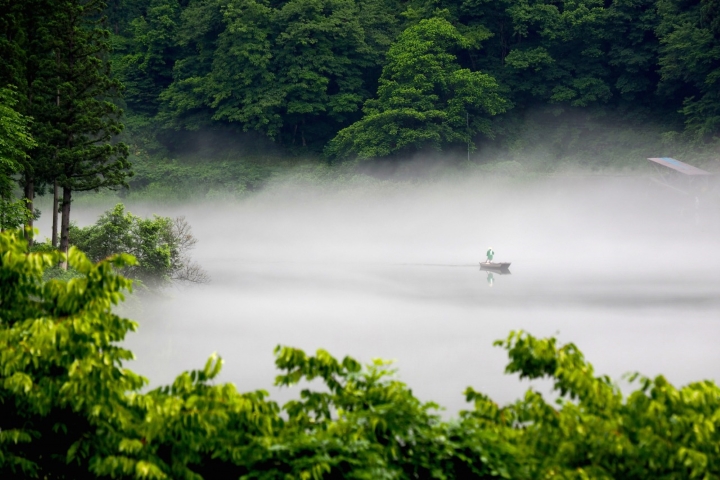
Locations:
column 490, row 255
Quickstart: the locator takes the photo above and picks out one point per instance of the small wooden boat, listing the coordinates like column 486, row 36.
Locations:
column 494, row 266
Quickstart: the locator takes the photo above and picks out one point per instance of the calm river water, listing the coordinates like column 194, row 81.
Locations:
column 624, row 269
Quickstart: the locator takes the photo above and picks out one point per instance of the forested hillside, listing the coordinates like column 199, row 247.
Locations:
column 381, row 76
column 89, row 87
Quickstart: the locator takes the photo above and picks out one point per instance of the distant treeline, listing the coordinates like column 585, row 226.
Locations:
column 377, row 77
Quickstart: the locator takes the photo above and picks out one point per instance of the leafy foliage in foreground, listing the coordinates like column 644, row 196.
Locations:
column 70, row 409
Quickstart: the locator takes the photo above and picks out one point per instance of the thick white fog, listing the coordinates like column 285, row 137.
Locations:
column 626, row 269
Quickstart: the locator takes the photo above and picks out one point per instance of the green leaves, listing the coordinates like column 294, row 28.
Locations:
column 70, row 409
column 15, row 143
column 690, row 62
column 424, row 98
column 15, row 138
column 290, row 71
column 159, row 245
column 658, row 431
column 60, row 376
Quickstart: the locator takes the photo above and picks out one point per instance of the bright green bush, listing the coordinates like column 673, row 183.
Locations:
column 159, row 244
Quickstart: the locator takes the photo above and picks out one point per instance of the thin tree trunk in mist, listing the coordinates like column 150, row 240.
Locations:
column 28, row 181
column 55, row 185
column 55, row 215
column 29, row 192
column 65, row 226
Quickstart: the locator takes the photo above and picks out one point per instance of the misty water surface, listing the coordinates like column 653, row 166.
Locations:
column 626, row 270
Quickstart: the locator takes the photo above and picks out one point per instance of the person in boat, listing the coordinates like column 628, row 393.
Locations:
column 490, row 254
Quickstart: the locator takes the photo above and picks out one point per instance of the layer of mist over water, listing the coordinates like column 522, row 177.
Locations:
column 625, row 269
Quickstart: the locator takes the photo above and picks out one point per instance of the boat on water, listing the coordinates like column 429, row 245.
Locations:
column 501, row 266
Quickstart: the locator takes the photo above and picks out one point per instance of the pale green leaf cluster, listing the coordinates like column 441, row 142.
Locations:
column 658, row 431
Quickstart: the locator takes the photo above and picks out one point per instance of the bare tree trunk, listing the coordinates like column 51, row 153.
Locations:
column 29, row 192
column 65, row 226
column 55, row 215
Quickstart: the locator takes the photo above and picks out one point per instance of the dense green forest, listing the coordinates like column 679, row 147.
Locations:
column 372, row 77
column 71, row 410
column 89, row 87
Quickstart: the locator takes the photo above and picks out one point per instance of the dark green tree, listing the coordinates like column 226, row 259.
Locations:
column 298, row 71
column 121, row 13
column 557, row 53
column 185, row 103
column 293, row 71
column 632, row 52
column 425, row 98
column 88, row 121
column 151, row 49
column 15, row 142
column 29, row 64
column 689, row 62
column 320, row 54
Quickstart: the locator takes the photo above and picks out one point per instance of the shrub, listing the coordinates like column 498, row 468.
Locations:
column 160, row 245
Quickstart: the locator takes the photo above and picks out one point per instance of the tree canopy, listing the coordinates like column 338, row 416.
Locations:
column 424, row 97
column 305, row 72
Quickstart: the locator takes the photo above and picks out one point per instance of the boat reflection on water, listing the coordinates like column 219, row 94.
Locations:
column 494, row 269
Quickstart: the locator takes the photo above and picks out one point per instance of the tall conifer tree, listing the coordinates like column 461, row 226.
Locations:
column 26, row 47
column 87, row 156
